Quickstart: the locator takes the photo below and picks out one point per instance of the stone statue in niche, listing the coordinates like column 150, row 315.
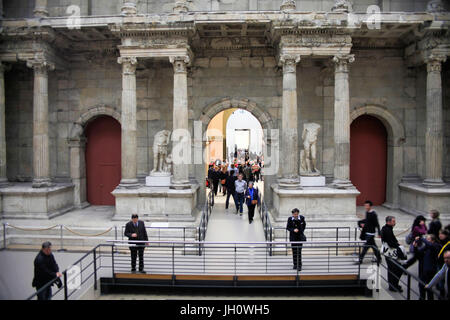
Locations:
column 308, row 156
column 162, row 160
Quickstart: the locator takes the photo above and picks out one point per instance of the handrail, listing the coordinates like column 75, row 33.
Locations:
column 206, row 212
column 238, row 242
column 408, row 283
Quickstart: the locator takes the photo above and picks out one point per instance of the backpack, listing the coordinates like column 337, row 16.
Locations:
column 409, row 238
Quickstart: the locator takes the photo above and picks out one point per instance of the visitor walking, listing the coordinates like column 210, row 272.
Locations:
column 135, row 230
column 371, row 227
column 45, row 270
column 252, row 199
column 240, row 187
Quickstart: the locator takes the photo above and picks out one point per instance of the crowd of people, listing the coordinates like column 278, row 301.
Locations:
column 237, row 181
column 428, row 246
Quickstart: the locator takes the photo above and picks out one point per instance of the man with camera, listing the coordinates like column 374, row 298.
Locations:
column 45, row 270
column 135, row 230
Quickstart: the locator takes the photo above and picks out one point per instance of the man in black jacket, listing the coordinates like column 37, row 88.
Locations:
column 231, row 189
column 296, row 226
column 394, row 272
column 135, row 230
column 45, row 270
column 370, row 227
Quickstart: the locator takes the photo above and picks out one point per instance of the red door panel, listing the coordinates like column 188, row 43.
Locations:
column 368, row 159
column 103, row 160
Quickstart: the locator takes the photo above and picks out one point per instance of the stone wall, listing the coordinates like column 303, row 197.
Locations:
column 24, row 8
column 377, row 77
column 446, row 106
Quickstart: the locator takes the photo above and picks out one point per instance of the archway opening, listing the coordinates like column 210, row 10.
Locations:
column 103, row 159
column 368, row 159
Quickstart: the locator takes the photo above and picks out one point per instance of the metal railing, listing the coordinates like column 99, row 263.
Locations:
column 78, row 274
column 265, row 219
column 206, row 213
column 166, row 233
column 409, row 276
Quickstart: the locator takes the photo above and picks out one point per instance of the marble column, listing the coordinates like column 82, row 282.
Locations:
column 3, row 178
column 180, row 134
column 288, row 5
column 129, row 123
column 180, row 6
column 342, row 121
column 40, row 9
column 41, row 151
column 343, row 6
column 289, row 123
column 434, row 141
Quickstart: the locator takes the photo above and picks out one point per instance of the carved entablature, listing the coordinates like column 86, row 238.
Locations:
column 436, row 42
column 320, row 44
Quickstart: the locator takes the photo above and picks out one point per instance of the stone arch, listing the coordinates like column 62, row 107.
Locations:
column 94, row 112
column 396, row 130
column 214, row 108
column 396, row 138
column 264, row 118
column 77, row 142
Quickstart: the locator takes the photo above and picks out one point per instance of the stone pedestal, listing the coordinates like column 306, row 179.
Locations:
column 315, row 203
column 155, row 180
column 22, row 201
column 157, row 204
column 312, row 181
column 417, row 199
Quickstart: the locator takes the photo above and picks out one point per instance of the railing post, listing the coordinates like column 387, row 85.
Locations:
column 5, row 225
column 112, row 263
column 173, row 261
column 65, row 284
column 115, row 232
column 61, row 238
column 337, row 239
column 408, row 292
column 95, row 268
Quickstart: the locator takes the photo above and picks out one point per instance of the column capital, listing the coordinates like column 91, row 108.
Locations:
column 180, row 63
column 289, row 62
column 40, row 65
column 129, row 64
column 180, row 7
column 435, row 6
column 341, row 62
column 342, row 6
column 434, row 62
column 40, row 9
column 288, row 5
column 128, row 8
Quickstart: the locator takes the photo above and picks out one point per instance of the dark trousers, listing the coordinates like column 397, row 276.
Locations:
column 227, row 201
column 215, row 187
column 251, row 212
column 394, row 273
column 370, row 241
column 240, row 201
column 46, row 294
column 297, row 254
column 134, row 252
column 426, row 277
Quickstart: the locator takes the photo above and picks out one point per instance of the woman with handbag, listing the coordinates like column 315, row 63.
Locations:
column 251, row 199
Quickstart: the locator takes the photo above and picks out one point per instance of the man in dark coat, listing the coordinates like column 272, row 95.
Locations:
column 45, row 270
column 231, row 189
column 370, row 227
column 296, row 226
column 394, row 272
column 135, row 230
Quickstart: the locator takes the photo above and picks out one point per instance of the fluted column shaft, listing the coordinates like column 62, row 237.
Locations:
column 342, row 122
column 3, row 178
column 129, row 125
column 41, row 151
column 434, row 141
column 289, row 123
column 180, row 134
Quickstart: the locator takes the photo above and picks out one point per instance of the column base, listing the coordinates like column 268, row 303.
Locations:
column 180, row 185
column 342, row 184
column 129, row 184
column 433, row 183
column 42, row 183
column 4, row 182
column 289, row 183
